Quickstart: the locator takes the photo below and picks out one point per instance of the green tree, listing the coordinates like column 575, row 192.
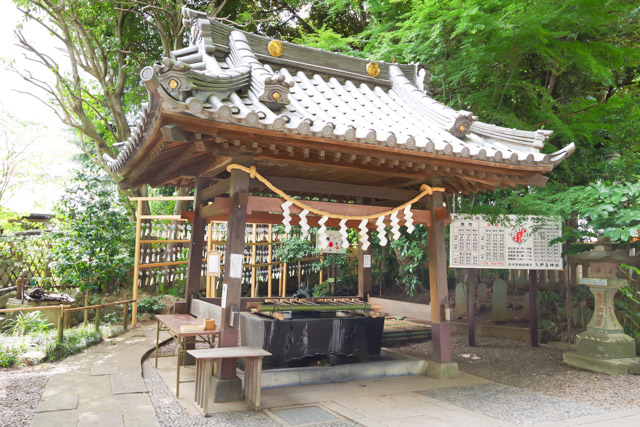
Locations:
column 94, row 241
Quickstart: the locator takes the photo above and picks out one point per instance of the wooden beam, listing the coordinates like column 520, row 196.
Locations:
column 216, row 189
column 174, row 133
column 273, row 204
column 336, row 188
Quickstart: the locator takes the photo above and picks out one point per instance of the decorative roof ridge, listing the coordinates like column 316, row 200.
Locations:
column 535, row 139
column 298, row 56
column 456, row 122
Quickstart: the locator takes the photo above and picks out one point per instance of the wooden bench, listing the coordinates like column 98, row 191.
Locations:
column 252, row 371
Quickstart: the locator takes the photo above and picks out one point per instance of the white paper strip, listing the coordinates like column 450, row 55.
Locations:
column 322, row 233
column 304, row 225
column 382, row 235
column 287, row 217
column 395, row 225
column 408, row 219
column 364, row 236
column 344, row 233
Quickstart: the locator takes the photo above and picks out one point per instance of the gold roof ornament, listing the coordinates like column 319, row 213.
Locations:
column 173, row 83
column 373, row 69
column 275, row 48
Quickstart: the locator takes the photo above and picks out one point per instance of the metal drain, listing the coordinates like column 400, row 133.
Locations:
column 304, row 415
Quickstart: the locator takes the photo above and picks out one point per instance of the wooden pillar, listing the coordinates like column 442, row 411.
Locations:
column 232, row 283
column 472, row 281
column 365, row 275
column 438, row 282
column 210, row 279
column 254, row 249
column 194, row 268
column 136, row 272
column 270, row 268
column 533, row 307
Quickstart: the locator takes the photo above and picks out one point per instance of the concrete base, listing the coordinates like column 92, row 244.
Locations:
column 226, row 390
column 606, row 345
column 630, row 365
column 442, row 371
column 393, row 364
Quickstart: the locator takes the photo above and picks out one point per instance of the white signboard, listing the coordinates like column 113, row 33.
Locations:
column 366, row 261
column 334, row 243
column 223, row 301
column 520, row 243
column 213, row 263
column 235, row 266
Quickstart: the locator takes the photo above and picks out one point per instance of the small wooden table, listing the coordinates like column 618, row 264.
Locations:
column 252, row 371
column 172, row 323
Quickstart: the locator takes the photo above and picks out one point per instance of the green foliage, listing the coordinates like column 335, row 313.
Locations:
column 113, row 317
column 295, row 248
column 612, row 210
column 75, row 340
column 9, row 355
column 27, row 323
column 94, row 242
column 410, row 254
column 150, row 305
column 323, row 289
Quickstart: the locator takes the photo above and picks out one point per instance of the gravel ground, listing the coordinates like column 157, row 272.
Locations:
column 516, row 364
column 20, row 391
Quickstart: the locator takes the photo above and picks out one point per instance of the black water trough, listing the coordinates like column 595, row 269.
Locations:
column 316, row 337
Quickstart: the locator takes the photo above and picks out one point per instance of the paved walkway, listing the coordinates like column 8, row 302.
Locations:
column 104, row 387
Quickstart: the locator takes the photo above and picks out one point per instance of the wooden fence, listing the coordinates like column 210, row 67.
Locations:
column 26, row 256
column 162, row 254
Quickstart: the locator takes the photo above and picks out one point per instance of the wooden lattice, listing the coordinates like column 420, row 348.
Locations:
column 26, row 256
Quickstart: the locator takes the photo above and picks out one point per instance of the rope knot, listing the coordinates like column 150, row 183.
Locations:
column 426, row 189
column 252, row 172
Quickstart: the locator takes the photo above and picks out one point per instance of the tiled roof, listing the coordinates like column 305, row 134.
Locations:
column 228, row 76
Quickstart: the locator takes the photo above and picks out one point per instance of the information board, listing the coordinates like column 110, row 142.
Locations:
column 521, row 242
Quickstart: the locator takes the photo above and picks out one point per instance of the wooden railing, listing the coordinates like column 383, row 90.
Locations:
column 64, row 309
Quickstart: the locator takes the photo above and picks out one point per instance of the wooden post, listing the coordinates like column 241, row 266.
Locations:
column 533, row 307
column 438, row 282
column 86, row 303
column 194, row 267
column 125, row 315
column 61, row 325
column 471, row 305
column 232, row 284
column 365, row 275
column 299, row 275
column 136, row 269
column 254, row 249
column 97, row 319
column 285, row 273
column 210, row 279
column 270, row 280
column 321, row 274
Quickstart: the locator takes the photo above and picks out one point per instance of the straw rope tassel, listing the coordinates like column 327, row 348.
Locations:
column 287, row 216
column 408, row 219
column 364, row 234
column 344, row 233
column 304, row 225
column 395, row 225
column 322, row 232
column 382, row 235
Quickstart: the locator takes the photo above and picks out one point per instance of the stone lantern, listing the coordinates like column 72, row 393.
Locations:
column 604, row 347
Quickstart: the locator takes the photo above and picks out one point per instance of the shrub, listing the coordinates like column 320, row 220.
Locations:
column 9, row 356
column 24, row 324
column 150, row 305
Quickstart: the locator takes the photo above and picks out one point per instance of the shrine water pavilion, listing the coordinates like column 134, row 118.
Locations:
column 237, row 116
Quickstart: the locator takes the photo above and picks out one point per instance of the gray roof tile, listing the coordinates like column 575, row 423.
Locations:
column 333, row 103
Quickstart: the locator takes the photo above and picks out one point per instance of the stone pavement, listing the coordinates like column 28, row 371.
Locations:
column 101, row 386
column 104, row 387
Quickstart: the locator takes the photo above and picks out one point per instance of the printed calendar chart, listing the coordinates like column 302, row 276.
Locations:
column 520, row 243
